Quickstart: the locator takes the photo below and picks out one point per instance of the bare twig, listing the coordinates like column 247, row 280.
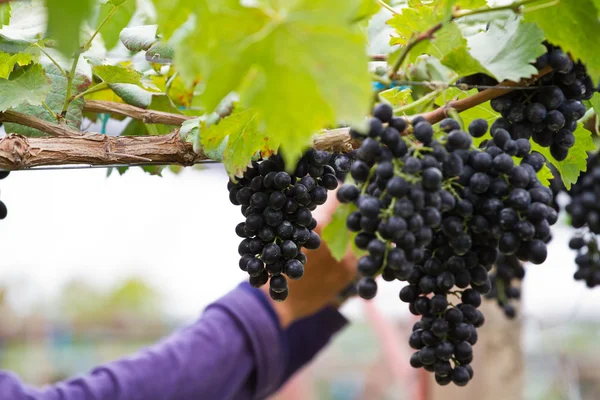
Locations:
column 39, row 124
column 126, row 110
column 429, row 33
column 437, row 115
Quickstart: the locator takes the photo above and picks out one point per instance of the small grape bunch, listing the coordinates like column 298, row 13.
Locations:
column 277, row 207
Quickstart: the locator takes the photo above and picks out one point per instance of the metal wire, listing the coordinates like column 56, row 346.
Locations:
column 85, row 166
column 462, row 86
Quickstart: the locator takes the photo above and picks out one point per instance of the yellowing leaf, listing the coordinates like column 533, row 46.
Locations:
column 8, row 62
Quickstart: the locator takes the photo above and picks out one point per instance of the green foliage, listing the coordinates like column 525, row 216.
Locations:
column 118, row 20
column 396, row 97
column 117, row 74
column 545, row 175
column 172, row 14
column 336, row 233
column 574, row 26
column 5, row 11
column 575, row 163
column 236, row 139
column 138, row 38
column 8, row 62
column 507, row 51
column 287, row 61
column 64, row 22
column 54, row 99
column 25, row 86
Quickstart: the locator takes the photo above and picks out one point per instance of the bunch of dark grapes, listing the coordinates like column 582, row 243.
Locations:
column 3, row 209
column 436, row 212
column 278, row 210
column 399, row 197
column 502, row 210
column 548, row 112
column 505, row 278
column 584, row 209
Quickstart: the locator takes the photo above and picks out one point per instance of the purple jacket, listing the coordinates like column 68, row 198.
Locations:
column 236, row 351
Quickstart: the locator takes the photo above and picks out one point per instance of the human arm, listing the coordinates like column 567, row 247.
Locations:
column 241, row 348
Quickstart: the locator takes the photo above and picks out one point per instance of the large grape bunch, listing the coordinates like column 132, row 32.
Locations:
column 584, row 209
column 278, row 209
column 548, row 112
column 434, row 211
column 3, row 209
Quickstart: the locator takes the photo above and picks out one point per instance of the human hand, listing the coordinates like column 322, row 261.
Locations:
column 324, row 277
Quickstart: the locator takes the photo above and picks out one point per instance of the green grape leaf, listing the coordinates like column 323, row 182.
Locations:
column 64, row 21
column 5, row 11
column 8, row 62
column 139, row 38
column 275, row 61
column 418, row 17
column 29, row 85
column 54, row 99
column 507, row 51
column 575, row 163
column 27, row 23
column 135, row 128
column 111, row 74
column 132, row 94
column 235, row 139
column 545, row 175
column 160, row 53
column 574, row 26
column 336, row 234
column 120, row 19
column 397, row 97
column 172, row 14
column 462, row 62
column 161, row 102
column 595, row 101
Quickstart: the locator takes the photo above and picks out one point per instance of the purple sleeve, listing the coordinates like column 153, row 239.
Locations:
column 235, row 351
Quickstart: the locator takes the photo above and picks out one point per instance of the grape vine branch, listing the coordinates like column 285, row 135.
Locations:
column 456, row 14
column 69, row 146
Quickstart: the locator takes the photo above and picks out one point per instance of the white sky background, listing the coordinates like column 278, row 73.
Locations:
column 177, row 232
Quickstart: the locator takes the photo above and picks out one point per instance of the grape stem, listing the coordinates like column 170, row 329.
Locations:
column 439, row 114
column 456, row 14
